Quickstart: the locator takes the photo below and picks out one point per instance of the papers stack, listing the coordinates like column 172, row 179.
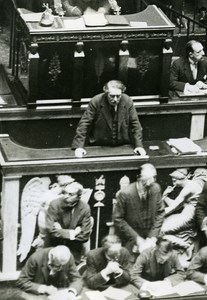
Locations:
column 184, row 145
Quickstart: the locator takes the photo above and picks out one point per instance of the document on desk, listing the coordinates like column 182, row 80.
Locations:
column 95, row 295
column 189, row 94
column 32, row 17
column 74, row 23
column 116, row 294
column 184, row 145
column 188, row 287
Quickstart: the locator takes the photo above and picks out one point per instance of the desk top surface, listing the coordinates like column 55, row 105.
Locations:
column 151, row 18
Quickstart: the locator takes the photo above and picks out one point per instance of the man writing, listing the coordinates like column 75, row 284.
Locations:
column 110, row 120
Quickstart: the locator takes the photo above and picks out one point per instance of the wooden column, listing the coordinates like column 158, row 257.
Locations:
column 9, row 216
column 197, row 125
column 33, row 69
column 165, row 73
column 123, row 62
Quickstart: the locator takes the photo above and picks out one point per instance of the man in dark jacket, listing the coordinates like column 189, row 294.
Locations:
column 68, row 221
column 48, row 270
column 139, row 211
column 189, row 73
column 110, row 120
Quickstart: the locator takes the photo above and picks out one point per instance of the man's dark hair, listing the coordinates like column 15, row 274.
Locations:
column 168, row 244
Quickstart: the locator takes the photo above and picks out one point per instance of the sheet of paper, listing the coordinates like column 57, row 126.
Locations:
column 95, row 295
column 184, row 145
column 95, row 19
column 72, row 23
column 33, row 17
column 188, row 287
column 116, row 294
column 138, row 24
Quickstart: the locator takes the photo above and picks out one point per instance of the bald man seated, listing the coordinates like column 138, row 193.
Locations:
column 51, row 272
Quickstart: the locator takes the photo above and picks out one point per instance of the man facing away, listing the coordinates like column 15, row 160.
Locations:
column 109, row 120
column 189, row 73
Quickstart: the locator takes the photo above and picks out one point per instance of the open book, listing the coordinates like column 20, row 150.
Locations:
column 99, row 19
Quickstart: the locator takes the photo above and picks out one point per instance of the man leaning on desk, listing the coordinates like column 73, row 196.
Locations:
column 109, row 120
column 189, row 72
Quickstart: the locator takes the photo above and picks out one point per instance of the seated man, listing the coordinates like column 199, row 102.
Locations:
column 48, row 270
column 155, row 265
column 79, row 7
column 110, row 120
column 197, row 269
column 108, row 265
column 189, row 73
column 139, row 211
column 68, row 221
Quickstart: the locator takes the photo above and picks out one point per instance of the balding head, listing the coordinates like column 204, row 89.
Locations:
column 57, row 258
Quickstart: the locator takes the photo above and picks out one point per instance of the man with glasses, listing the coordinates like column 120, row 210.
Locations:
column 189, row 72
column 48, row 270
column 157, row 267
column 68, row 220
column 110, row 120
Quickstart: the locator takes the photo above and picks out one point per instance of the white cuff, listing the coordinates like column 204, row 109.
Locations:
column 41, row 289
column 104, row 275
column 186, row 88
column 72, row 234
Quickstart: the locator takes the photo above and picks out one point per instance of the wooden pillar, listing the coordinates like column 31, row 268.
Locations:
column 9, row 216
column 33, row 70
column 197, row 126
column 79, row 58
column 123, row 62
column 165, row 72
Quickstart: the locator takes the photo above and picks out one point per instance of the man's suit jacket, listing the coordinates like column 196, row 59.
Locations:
column 147, row 268
column 96, row 262
column 57, row 212
column 181, row 73
column 201, row 207
column 97, row 122
column 36, row 272
column 198, row 266
column 128, row 214
column 83, row 5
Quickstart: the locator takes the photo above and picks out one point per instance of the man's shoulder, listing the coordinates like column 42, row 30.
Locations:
column 129, row 188
column 95, row 252
column 83, row 205
column 40, row 254
column 180, row 61
column 155, row 187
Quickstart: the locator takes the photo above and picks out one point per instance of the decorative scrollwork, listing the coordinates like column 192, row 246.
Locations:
column 143, row 60
column 54, row 68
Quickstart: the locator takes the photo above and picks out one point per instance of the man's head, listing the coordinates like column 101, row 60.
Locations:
column 57, row 258
column 164, row 250
column 112, row 247
column 114, row 89
column 179, row 176
column 194, row 50
column 72, row 193
column 148, row 174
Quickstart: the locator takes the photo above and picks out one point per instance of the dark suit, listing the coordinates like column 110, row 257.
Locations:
column 68, row 219
column 146, row 267
column 97, row 122
column 36, row 272
column 198, row 266
column 181, row 73
column 133, row 215
column 96, row 262
column 83, row 5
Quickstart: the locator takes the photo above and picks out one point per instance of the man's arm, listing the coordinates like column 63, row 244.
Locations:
column 119, row 218
column 197, row 264
column 85, row 225
column 76, row 283
column 159, row 213
column 124, row 278
column 175, row 83
column 83, row 126
column 136, row 127
column 178, row 274
column 138, row 270
column 27, row 275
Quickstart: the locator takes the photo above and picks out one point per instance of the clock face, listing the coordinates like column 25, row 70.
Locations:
column 99, row 195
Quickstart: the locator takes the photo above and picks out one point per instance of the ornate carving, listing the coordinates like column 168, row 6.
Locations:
column 143, row 60
column 54, row 68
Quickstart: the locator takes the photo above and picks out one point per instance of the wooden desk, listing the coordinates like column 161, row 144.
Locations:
column 19, row 164
column 71, row 63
